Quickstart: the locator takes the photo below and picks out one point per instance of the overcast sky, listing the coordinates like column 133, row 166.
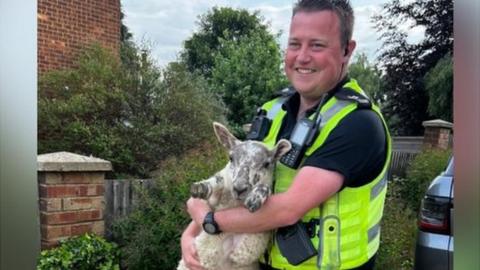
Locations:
column 166, row 24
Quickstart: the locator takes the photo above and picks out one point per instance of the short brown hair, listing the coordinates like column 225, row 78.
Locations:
column 342, row 8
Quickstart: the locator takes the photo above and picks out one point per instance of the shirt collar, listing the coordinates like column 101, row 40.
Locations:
column 293, row 102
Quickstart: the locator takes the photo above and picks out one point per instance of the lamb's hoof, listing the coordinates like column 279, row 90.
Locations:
column 253, row 202
column 199, row 190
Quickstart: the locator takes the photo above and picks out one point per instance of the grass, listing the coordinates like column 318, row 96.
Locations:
column 397, row 242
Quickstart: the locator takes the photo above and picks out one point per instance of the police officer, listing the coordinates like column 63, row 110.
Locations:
column 336, row 194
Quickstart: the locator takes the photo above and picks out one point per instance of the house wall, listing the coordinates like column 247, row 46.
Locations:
column 65, row 27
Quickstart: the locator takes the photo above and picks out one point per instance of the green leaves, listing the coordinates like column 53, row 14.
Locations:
column 131, row 112
column 85, row 252
column 215, row 25
column 240, row 59
column 368, row 77
column 246, row 74
column 439, row 86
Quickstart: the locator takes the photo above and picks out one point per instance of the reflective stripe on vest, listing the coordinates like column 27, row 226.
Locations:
column 349, row 226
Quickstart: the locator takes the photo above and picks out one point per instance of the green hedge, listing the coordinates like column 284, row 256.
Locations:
column 422, row 170
column 150, row 236
column 129, row 112
column 87, row 252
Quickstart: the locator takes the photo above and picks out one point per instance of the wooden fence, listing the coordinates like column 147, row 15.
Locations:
column 120, row 197
column 404, row 150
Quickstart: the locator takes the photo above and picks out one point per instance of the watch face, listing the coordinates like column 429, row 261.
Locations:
column 209, row 228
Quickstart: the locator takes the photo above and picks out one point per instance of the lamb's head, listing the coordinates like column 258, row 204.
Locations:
column 251, row 166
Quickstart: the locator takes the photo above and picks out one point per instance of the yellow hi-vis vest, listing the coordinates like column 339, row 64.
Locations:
column 349, row 221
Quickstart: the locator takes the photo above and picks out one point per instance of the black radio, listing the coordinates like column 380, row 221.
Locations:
column 302, row 137
column 299, row 140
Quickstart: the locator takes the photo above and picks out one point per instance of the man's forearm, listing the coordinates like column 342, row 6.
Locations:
column 192, row 229
column 271, row 215
column 309, row 189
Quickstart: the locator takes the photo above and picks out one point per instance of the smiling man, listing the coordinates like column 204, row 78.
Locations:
column 330, row 188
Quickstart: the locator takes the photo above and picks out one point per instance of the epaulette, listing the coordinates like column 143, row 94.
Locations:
column 362, row 101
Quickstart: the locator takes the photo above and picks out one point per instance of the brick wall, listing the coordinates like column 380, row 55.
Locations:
column 438, row 134
column 71, row 196
column 67, row 26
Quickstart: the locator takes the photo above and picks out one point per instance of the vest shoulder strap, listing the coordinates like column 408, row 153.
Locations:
column 348, row 94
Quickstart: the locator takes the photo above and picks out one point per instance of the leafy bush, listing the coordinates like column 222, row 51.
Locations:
column 397, row 239
column 85, row 252
column 128, row 112
column 150, row 236
column 420, row 172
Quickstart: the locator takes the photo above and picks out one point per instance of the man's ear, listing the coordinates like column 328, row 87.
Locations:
column 281, row 148
column 349, row 50
column 224, row 136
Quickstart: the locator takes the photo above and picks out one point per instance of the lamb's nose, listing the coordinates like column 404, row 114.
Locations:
column 239, row 190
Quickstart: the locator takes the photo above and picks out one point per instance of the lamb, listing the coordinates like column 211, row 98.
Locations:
column 246, row 180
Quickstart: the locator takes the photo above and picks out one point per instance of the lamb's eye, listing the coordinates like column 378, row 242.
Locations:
column 231, row 158
column 266, row 164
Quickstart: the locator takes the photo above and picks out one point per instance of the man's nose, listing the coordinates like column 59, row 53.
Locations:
column 303, row 55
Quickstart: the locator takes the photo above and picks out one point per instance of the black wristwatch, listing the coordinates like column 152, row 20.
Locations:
column 209, row 224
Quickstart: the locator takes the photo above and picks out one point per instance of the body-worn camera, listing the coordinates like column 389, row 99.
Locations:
column 260, row 126
column 294, row 243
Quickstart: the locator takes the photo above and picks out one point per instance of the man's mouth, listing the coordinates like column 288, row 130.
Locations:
column 305, row 70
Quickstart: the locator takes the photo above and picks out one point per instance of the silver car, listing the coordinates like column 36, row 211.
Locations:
column 434, row 247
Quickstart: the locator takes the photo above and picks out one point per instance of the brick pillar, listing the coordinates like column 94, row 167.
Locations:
column 438, row 134
column 71, row 191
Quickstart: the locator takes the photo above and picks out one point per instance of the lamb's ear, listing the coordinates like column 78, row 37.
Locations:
column 224, row 136
column 282, row 147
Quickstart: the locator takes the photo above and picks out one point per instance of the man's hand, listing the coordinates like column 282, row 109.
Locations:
column 189, row 252
column 197, row 209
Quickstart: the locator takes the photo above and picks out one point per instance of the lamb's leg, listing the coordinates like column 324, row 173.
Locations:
column 249, row 249
column 257, row 197
column 209, row 189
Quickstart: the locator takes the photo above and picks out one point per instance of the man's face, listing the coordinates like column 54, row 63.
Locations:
column 314, row 58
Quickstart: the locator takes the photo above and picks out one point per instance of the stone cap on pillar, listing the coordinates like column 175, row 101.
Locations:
column 437, row 123
column 68, row 162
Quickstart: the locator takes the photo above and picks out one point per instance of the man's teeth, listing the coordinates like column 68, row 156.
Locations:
column 305, row 70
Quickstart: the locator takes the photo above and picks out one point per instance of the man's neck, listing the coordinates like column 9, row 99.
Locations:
column 307, row 103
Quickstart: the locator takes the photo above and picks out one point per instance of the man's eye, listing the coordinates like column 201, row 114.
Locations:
column 293, row 45
column 317, row 46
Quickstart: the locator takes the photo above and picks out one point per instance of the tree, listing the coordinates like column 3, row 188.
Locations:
column 217, row 24
column 246, row 73
column 405, row 64
column 367, row 76
column 439, row 86
column 125, row 34
column 240, row 58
